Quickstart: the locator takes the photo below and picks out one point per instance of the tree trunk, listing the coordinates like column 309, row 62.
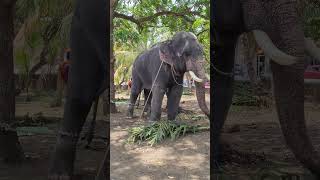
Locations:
column 42, row 62
column 109, row 97
column 11, row 150
column 60, row 89
column 113, row 108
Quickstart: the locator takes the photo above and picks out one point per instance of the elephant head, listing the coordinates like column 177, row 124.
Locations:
column 185, row 53
column 277, row 30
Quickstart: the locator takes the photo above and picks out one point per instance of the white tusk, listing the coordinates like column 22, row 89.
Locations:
column 312, row 48
column 208, row 76
column 194, row 77
column 271, row 51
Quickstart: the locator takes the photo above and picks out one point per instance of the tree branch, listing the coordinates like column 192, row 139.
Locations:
column 140, row 20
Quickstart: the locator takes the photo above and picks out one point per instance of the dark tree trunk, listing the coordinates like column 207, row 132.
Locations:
column 113, row 107
column 10, row 148
column 109, row 97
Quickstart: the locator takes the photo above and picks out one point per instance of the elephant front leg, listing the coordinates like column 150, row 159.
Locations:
column 174, row 97
column 222, row 90
column 62, row 165
column 156, row 102
column 86, row 80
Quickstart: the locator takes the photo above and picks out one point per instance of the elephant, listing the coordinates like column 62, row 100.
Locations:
column 161, row 69
column 88, row 77
column 278, row 32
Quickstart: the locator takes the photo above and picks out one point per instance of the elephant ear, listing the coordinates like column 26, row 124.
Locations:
column 165, row 53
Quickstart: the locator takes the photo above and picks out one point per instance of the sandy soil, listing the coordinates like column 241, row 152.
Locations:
column 184, row 158
column 257, row 132
column 38, row 147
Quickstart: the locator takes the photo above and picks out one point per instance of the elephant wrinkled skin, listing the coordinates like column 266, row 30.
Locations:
column 278, row 31
column 87, row 80
column 163, row 67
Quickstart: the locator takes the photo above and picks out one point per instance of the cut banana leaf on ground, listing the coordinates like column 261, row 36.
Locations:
column 156, row 132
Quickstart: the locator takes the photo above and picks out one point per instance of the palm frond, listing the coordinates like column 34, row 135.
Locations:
column 161, row 130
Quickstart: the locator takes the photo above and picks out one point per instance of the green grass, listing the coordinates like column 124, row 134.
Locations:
column 161, row 130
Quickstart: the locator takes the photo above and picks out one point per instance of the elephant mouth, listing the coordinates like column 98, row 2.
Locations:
column 278, row 56
column 197, row 73
column 196, row 70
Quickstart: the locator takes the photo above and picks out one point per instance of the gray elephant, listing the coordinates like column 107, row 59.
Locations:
column 278, row 31
column 87, row 80
column 161, row 69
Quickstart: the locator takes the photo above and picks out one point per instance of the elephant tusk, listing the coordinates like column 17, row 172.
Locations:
column 312, row 49
column 271, row 50
column 194, row 77
column 208, row 76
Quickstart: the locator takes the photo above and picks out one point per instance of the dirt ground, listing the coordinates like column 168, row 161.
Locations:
column 39, row 146
column 184, row 158
column 249, row 129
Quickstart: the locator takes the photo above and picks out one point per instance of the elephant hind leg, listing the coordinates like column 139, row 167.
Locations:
column 174, row 97
column 136, row 89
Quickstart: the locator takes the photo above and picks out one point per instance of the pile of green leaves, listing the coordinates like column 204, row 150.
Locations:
column 244, row 95
column 161, row 130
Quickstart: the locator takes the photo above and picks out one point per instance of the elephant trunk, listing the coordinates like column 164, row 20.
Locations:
column 200, row 94
column 200, row 89
column 289, row 96
column 289, row 86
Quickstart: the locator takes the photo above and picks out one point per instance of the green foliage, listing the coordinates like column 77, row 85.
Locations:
column 159, row 131
column 39, row 23
column 245, row 95
column 123, row 66
column 142, row 25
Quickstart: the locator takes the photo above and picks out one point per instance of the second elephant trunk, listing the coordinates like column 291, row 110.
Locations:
column 289, row 96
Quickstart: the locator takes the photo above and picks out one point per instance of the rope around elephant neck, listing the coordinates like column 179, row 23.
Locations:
column 173, row 72
column 146, row 102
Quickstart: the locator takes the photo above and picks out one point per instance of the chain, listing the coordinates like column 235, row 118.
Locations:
column 173, row 72
column 229, row 74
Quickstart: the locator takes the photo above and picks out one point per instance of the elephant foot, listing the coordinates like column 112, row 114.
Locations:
column 64, row 156
column 88, row 137
column 129, row 116
column 151, row 122
column 146, row 114
column 217, row 167
column 155, row 116
column 130, row 112
column 177, row 122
